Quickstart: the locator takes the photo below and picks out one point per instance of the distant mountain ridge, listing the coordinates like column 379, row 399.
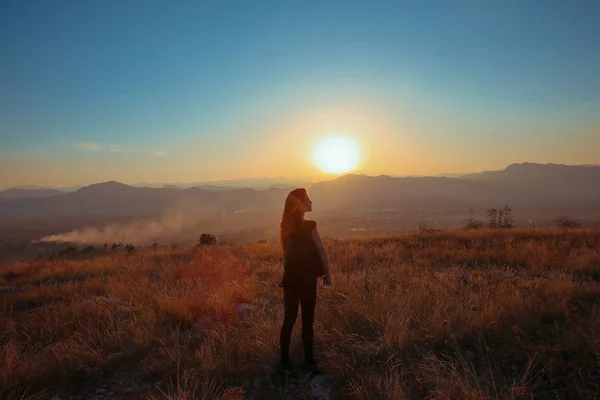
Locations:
column 523, row 185
column 516, row 171
column 243, row 183
column 117, row 199
column 572, row 180
column 18, row 193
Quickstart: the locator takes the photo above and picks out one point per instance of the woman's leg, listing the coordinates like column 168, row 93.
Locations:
column 290, row 299
column 308, row 301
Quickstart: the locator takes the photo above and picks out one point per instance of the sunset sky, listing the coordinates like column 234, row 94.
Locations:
column 186, row 91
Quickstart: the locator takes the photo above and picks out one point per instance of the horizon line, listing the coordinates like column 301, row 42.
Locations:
column 277, row 180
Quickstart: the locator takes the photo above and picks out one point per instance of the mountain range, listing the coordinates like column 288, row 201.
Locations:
column 242, row 183
column 520, row 185
column 20, row 193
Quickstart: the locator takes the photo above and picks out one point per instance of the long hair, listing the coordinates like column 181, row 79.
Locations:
column 292, row 217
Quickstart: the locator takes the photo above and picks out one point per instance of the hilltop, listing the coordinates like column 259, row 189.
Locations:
column 467, row 314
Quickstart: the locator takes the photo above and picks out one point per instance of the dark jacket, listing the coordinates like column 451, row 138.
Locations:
column 302, row 259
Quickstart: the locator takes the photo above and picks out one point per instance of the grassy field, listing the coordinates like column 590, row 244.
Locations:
column 510, row 314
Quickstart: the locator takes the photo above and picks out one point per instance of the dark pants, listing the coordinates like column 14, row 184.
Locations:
column 304, row 293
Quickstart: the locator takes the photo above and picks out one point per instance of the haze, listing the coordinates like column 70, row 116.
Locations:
column 449, row 149
column 162, row 92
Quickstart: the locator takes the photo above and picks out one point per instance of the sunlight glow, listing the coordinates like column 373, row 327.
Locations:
column 336, row 154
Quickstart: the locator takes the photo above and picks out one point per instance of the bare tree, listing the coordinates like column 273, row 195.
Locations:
column 506, row 219
column 492, row 218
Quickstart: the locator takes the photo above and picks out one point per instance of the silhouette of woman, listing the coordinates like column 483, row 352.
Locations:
column 305, row 260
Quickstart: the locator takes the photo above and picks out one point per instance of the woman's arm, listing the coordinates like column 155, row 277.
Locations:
column 324, row 257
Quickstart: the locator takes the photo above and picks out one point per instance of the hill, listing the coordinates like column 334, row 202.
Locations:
column 114, row 199
column 28, row 193
column 520, row 185
column 551, row 179
column 487, row 314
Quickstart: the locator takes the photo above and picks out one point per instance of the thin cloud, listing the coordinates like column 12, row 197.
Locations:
column 119, row 149
column 92, row 146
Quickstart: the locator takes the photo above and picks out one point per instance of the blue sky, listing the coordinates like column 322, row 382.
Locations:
column 185, row 91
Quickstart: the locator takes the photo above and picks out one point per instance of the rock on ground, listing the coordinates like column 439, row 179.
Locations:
column 321, row 388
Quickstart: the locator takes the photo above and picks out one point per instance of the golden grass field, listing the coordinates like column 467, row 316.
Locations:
column 485, row 314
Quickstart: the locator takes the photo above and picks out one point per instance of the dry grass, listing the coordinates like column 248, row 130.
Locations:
column 464, row 314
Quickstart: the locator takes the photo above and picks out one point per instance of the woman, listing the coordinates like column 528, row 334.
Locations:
column 305, row 260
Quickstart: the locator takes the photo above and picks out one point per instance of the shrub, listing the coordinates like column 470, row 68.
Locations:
column 88, row 249
column 70, row 251
column 474, row 224
column 207, row 239
column 567, row 222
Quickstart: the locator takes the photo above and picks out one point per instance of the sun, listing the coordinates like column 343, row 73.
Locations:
column 336, row 154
